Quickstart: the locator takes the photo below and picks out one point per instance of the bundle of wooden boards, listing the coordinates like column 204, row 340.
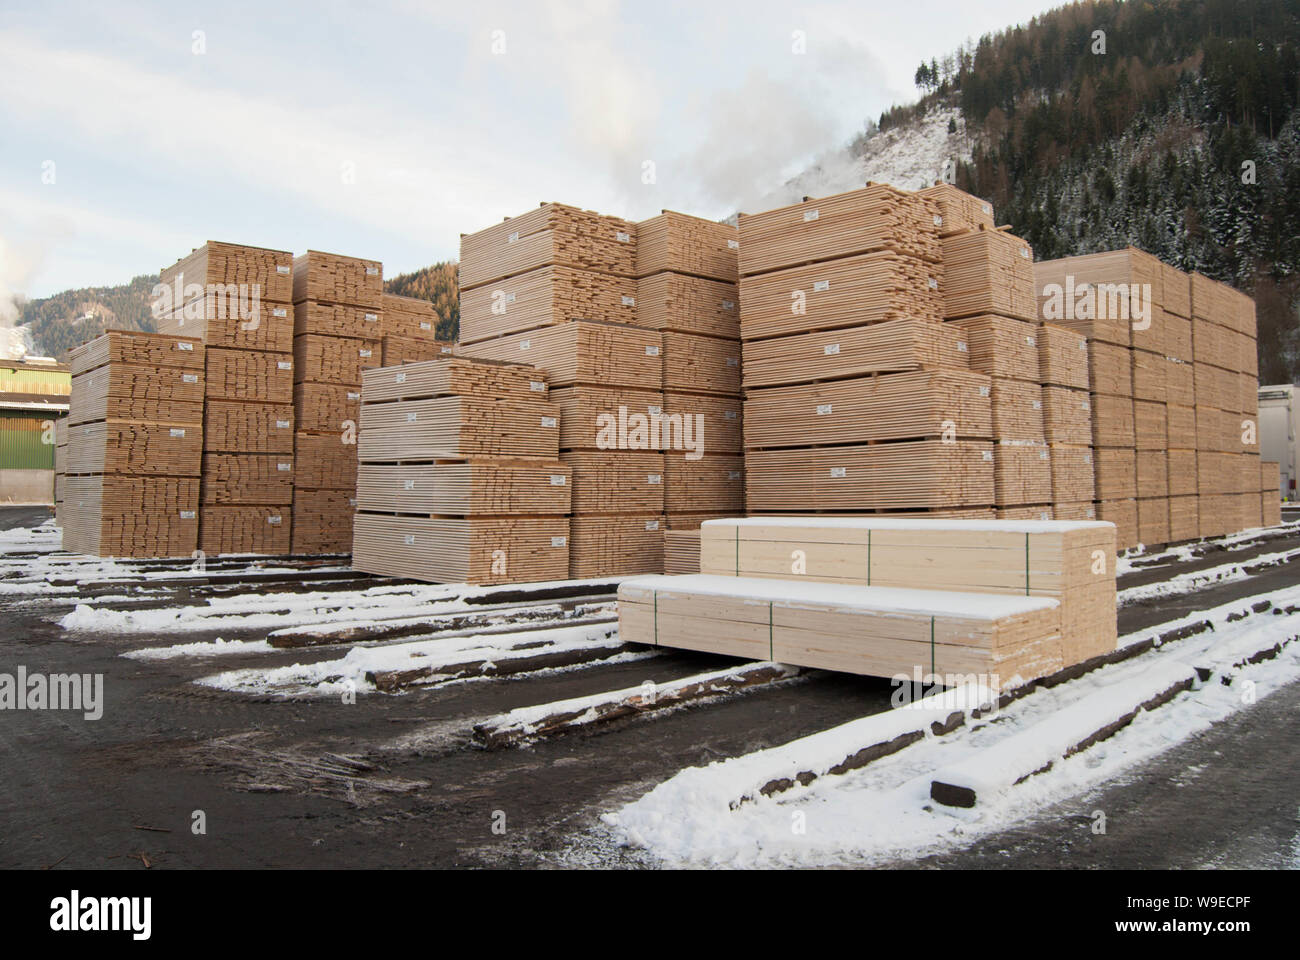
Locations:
column 132, row 446
column 1173, row 381
column 459, row 477
column 1002, row 601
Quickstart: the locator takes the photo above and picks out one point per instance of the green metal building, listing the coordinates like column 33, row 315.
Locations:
column 33, row 395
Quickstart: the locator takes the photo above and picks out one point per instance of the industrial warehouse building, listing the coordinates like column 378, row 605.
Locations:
column 33, row 397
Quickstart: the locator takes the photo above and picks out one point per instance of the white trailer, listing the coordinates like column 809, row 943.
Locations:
column 1279, row 426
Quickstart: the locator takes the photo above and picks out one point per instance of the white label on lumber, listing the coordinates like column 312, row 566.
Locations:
column 352, row 501
column 548, row 421
column 187, row 514
column 513, row 237
column 629, row 301
column 839, row 472
column 537, row 386
column 988, row 454
column 963, row 346
column 730, row 414
column 652, row 351
column 653, row 479
column 282, row 424
column 733, row 244
column 400, row 378
column 364, row 353
column 1024, row 252
column 733, row 474
column 284, row 467
column 184, row 346
column 410, row 539
column 557, row 480
column 1031, row 341
column 279, row 312
column 821, row 285
column 733, row 361
column 281, row 268
column 408, row 484
column 984, row 391
column 353, row 396
column 510, row 298
column 189, row 378
column 1087, row 458
column 823, row 409
column 1084, row 406
column 934, row 284
column 831, row 349
column 525, row 344
column 372, row 271
column 987, row 208
column 728, row 305
column 654, row 411
column 559, row 541
column 425, row 325
column 623, row 237
column 372, row 318
column 810, row 215
column 446, row 349
column 938, row 221
column 273, row 521
column 1042, row 454
column 1038, row 404
column 285, row 365
column 652, row 524
column 411, row 417
column 178, row 432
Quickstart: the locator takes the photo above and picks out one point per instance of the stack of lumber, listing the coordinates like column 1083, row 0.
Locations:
column 409, row 332
column 132, row 446
column 60, row 467
column 1270, row 485
column 340, row 325
column 886, row 597
column 988, row 272
column 248, row 400
column 459, row 476
column 960, row 211
column 558, row 288
column 681, row 552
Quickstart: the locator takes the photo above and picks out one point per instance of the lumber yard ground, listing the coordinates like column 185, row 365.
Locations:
column 320, row 718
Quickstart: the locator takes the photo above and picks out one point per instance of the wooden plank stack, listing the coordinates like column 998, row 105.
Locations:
column 459, row 477
column 132, row 447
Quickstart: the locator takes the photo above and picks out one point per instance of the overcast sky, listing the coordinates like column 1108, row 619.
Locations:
column 386, row 129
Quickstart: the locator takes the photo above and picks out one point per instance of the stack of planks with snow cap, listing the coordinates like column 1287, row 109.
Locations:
column 339, row 326
column 459, row 477
column 988, row 292
column 238, row 301
column 845, row 589
column 132, row 446
column 556, row 288
column 857, row 396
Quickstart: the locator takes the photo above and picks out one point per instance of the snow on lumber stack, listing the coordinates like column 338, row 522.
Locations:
column 873, row 631
column 1073, row 562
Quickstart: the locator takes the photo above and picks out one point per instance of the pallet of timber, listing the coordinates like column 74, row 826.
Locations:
column 1212, row 300
column 231, row 322
column 249, row 478
column 1062, row 357
column 1250, row 511
column 1179, row 343
column 1248, row 471
column 1073, row 475
column 411, row 317
column 234, row 427
column 396, row 351
column 452, row 428
column 601, row 354
column 924, row 473
column 1110, row 369
column 1215, row 430
column 326, row 406
column 455, row 377
column 1150, row 426
column 1175, row 292
column 1002, row 347
column 1248, row 391
column 684, row 304
column 1102, row 295
column 552, row 234
column 217, row 263
column 483, row 550
column 1022, row 473
column 878, row 217
column 1180, row 383
column 618, row 418
column 249, row 375
column 851, row 292
column 1017, row 410
column 1184, row 522
column 1214, row 473
column 681, row 552
column 716, row 423
column 1067, row 416
column 1181, row 468
column 331, row 278
column 1149, row 376
column 242, row 528
column 1153, row 520
column 616, row 481
column 133, row 349
column 1215, row 515
column 894, row 347
column 121, row 516
column 322, row 522
column 871, row 631
column 1056, row 559
column 338, row 320
column 988, row 271
column 686, row 244
column 1246, row 351
column 319, row 359
column 1080, row 510
column 612, row 546
column 696, row 364
column 133, row 448
column 897, row 406
column 478, row 487
column 324, row 461
column 1112, row 421
column 127, row 392
column 1213, row 344
column 961, row 212
column 1270, row 477
column 1152, row 471
column 1122, row 513
column 543, row 298
column 1033, row 511
column 1116, row 473
column 715, row 482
